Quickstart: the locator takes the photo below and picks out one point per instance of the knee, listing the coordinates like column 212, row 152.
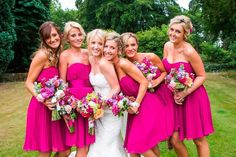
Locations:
column 175, row 141
column 200, row 142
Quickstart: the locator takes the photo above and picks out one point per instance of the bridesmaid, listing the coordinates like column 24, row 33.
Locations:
column 142, row 132
column 74, row 68
column 193, row 118
column 105, row 82
column 130, row 42
column 43, row 134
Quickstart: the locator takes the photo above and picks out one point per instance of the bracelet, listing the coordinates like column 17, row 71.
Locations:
column 135, row 104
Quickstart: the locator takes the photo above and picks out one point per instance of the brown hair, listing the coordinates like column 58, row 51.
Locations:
column 44, row 34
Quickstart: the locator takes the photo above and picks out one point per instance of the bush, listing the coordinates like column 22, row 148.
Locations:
column 153, row 40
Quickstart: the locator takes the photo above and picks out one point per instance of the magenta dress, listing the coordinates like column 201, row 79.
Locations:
column 166, row 96
column 146, row 129
column 79, row 86
column 43, row 134
column 192, row 119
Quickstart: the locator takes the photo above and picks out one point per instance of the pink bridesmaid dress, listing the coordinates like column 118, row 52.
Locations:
column 43, row 134
column 166, row 96
column 192, row 119
column 79, row 86
column 146, row 129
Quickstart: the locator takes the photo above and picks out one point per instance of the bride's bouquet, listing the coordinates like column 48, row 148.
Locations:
column 148, row 70
column 91, row 107
column 118, row 104
column 67, row 108
column 53, row 89
column 179, row 79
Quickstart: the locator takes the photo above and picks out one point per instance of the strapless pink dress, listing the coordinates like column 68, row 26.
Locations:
column 193, row 119
column 79, row 86
column 43, row 134
column 146, row 129
column 166, row 96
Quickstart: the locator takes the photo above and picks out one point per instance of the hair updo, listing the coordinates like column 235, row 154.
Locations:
column 185, row 22
column 116, row 38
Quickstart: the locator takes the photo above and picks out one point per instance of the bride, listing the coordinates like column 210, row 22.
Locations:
column 104, row 81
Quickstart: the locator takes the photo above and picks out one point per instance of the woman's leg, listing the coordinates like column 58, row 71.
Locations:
column 65, row 153
column 82, row 152
column 178, row 145
column 149, row 153
column 156, row 150
column 135, row 155
column 202, row 147
column 43, row 154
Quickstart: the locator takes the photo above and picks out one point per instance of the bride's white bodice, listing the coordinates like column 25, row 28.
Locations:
column 100, row 84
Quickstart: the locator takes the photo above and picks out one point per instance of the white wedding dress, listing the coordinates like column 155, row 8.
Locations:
column 108, row 128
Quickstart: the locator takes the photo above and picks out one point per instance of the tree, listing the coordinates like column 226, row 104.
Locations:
column 7, row 33
column 60, row 16
column 126, row 15
column 29, row 15
column 219, row 18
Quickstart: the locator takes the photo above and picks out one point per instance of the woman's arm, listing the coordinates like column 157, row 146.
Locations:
column 108, row 70
column 36, row 66
column 130, row 69
column 157, row 62
column 196, row 62
column 63, row 63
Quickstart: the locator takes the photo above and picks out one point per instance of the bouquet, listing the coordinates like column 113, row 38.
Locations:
column 66, row 108
column 118, row 104
column 53, row 89
column 148, row 70
column 91, row 107
column 179, row 80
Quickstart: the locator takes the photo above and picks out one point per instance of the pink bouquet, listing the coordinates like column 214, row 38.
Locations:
column 118, row 104
column 91, row 107
column 179, row 80
column 148, row 70
column 66, row 108
column 53, row 89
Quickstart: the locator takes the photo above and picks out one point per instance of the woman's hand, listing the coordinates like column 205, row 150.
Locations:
column 133, row 110
column 49, row 104
column 180, row 96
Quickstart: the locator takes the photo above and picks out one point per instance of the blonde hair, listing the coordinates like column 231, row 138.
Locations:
column 101, row 34
column 115, row 37
column 71, row 24
column 125, row 37
column 185, row 22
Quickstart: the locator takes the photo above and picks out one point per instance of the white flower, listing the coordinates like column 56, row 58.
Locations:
column 54, row 100
column 120, row 104
column 68, row 109
column 92, row 104
column 150, row 76
column 59, row 94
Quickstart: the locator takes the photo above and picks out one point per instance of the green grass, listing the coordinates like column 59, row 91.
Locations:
column 220, row 86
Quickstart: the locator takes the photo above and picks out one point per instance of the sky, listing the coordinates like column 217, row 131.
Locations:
column 70, row 4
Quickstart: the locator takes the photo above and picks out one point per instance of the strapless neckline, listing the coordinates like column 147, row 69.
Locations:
column 177, row 62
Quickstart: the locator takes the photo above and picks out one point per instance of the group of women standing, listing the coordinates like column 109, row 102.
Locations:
column 153, row 116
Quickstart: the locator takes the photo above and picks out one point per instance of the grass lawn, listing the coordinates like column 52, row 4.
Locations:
column 220, row 86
